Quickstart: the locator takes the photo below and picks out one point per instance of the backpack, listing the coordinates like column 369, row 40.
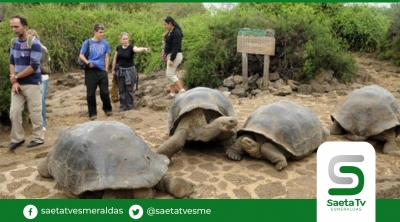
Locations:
column 81, row 64
column 44, row 61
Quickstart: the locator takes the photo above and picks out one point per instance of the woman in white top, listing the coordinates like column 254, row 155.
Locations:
column 45, row 82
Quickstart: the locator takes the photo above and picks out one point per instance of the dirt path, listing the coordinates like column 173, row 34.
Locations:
column 214, row 175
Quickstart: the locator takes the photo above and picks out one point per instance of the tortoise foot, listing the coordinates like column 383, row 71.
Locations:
column 231, row 153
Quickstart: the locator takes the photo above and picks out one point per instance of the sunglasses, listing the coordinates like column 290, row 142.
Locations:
column 99, row 26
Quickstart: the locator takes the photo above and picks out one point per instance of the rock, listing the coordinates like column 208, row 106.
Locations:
column 340, row 86
column 228, row 82
column 259, row 83
column 356, row 86
column 223, row 89
column 341, row 92
column 255, row 91
column 324, row 76
column 277, row 84
column 239, row 91
column 293, row 84
column 227, row 93
column 274, row 76
column 253, row 79
column 272, row 89
column 284, row 91
column 237, row 79
column 305, row 89
column 388, row 189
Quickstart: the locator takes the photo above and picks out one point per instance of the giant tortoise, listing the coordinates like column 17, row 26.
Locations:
column 108, row 159
column 370, row 112
column 278, row 131
column 199, row 114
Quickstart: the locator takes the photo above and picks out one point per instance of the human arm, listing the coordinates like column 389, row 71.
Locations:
column 114, row 63
column 107, row 61
column 176, row 41
column 34, row 63
column 141, row 49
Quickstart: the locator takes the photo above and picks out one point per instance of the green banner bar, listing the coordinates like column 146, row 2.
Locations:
column 166, row 209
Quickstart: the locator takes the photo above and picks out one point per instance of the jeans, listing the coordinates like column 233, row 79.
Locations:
column 45, row 84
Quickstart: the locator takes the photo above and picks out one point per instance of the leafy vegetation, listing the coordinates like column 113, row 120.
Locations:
column 309, row 36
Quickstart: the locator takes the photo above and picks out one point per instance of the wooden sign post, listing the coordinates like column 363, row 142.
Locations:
column 256, row 41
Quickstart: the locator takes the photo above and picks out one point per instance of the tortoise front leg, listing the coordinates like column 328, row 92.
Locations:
column 235, row 151
column 227, row 138
column 175, row 186
column 266, row 150
column 174, row 144
column 43, row 168
column 270, row 152
column 390, row 146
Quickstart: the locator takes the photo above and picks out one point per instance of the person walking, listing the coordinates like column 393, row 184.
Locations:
column 123, row 68
column 45, row 80
column 96, row 73
column 25, row 77
column 173, row 50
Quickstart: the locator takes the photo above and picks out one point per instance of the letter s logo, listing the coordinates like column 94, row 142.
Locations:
column 346, row 180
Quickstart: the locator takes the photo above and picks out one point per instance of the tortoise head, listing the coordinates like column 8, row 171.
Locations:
column 226, row 123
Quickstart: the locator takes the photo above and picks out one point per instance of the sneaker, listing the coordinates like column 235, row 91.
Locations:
column 44, row 128
column 93, row 117
column 109, row 113
column 170, row 96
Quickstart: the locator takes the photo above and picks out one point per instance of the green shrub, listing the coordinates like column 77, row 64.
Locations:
column 361, row 26
column 389, row 48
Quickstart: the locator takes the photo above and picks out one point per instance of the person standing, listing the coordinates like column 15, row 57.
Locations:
column 25, row 77
column 173, row 50
column 123, row 68
column 97, row 71
column 45, row 80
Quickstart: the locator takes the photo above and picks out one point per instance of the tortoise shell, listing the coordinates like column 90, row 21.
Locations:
column 104, row 155
column 293, row 127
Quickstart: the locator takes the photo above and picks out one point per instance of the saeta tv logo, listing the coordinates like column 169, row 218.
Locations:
column 346, row 181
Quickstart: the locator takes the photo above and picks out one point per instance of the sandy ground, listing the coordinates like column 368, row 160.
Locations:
column 206, row 166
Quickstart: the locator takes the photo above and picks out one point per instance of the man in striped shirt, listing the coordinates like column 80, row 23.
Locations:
column 26, row 83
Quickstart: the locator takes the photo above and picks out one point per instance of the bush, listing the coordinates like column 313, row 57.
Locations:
column 389, row 48
column 361, row 34
column 304, row 44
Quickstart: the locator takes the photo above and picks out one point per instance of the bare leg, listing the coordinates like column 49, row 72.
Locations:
column 270, row 152
column 172, row 88
column 336, row 129
column 174, row 144
column 177, row 187
column 179, row 85
column 235, row 152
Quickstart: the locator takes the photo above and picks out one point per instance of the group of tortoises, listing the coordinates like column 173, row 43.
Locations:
column 108, row 159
